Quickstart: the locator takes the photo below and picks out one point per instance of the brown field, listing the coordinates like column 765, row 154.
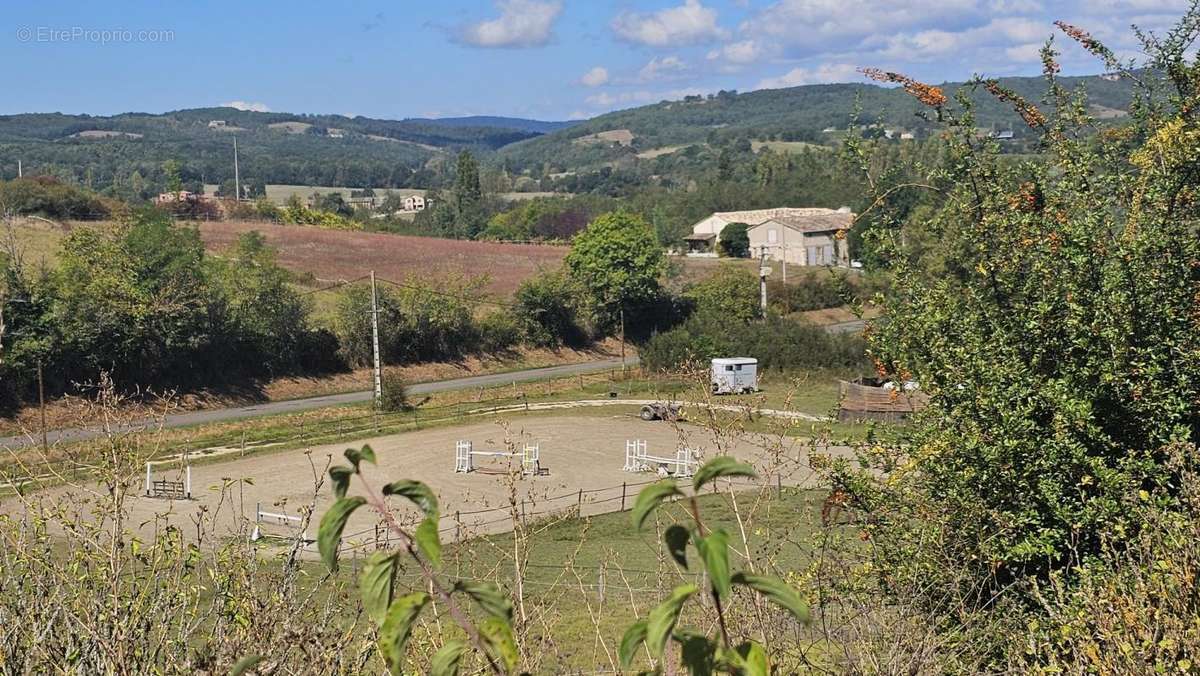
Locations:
column 334, row 255
column 578, row 453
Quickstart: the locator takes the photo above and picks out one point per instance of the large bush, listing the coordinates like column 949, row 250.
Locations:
column 1061, row 346
column 778, row 343
column 730, row 295
column 417, row 323
column 51, row 197
column 547, row 308
column 142, row 301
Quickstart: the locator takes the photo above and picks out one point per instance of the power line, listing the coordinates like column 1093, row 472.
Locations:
column 335, row 285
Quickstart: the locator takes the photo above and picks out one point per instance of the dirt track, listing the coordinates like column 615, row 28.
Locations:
column 578, row 453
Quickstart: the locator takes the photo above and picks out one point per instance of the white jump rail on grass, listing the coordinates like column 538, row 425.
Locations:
column 465, row 454
column 295, row 523
column 637, row 459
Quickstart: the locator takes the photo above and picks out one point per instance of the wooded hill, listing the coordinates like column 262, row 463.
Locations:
column 99, row 151
column 114, row 154
column 792, row 114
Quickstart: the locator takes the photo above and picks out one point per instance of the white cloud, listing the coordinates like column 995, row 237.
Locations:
column 739, row 53
column 664, row 68
column 688, row 24
column 807, row 27
column 522, row 23
column 595, row 77
column 825, row 73
column 253, row 106
column 1030, row 52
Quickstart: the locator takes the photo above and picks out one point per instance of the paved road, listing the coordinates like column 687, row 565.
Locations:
column 296, row 405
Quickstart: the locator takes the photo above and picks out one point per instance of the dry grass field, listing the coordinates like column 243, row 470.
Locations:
column 334, row 255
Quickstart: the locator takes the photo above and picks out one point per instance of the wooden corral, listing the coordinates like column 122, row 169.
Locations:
column 867, row 399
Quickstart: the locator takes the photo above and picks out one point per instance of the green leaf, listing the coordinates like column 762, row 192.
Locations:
column 445, row 661
column 417, row 492
column 697, row 652
column 634, row 636
column 340, row 474
column 356, row 456
column 428, row 541
column 499, row 636
column 329, row 535
column 714, row 550
column 677, row 538
column 777, row 591
column 661, row 621
column 722, row 465
column 650, row 497
column 489, row 596
column 376, row 584
column 396, row 629
column 245, row 664
column 752, row 659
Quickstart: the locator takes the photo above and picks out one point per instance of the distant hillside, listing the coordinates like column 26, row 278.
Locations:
column 793, row 114
column 274, row 147
column 514, row 123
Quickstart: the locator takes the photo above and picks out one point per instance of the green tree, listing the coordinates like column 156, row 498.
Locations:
column 730, row 296
column 734, row 241
column 267, row 321
column 171, row 176
column 1060, row 348
column 467, row 196
column 618, row 262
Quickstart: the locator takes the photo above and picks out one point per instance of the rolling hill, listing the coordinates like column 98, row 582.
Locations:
column 794, row 114
column 119, row 153
column 274, row 147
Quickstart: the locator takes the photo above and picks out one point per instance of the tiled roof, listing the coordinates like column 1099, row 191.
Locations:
column 815, row 220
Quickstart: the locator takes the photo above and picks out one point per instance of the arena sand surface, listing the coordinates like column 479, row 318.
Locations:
column 578, row 453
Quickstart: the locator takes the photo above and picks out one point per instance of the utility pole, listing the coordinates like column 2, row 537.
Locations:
column 20, row 171
column 622, row 339
column 375, row 343
column 763, row 271
column 237, row 177
column 42, row 407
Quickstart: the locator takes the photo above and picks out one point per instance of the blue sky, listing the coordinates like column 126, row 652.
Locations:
column 548, row 59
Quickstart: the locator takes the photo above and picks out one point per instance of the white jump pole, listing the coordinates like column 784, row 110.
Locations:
column 148, row 479
column 635, row 455
column 531, row 459
column 463, row 456
column 187, row 487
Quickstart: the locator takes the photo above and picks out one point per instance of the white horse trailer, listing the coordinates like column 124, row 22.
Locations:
column 734, row 375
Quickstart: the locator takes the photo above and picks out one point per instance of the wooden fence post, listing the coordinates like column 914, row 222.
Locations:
column 622, row 496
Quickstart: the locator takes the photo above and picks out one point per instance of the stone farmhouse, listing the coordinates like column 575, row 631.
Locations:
column 800, row 236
